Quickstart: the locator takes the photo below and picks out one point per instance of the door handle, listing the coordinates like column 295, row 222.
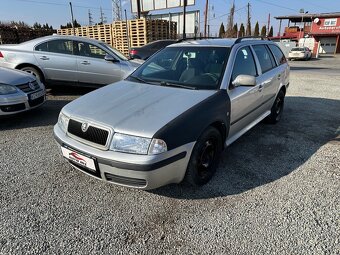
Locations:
column 85, row 63
column 279, row 77
column 260, row 87
column 44, row 58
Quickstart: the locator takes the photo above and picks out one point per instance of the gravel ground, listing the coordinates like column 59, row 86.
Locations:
column 276, row 191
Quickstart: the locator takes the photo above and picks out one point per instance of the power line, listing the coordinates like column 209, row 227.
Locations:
column 226, row 14
column 280, row 6
column 59, row 4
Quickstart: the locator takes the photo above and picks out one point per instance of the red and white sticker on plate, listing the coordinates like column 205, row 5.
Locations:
column 78, row 158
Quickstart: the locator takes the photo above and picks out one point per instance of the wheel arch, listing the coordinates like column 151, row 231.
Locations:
column 221, row 127
column 22, row 65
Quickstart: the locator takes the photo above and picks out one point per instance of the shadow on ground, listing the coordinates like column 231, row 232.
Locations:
column 45, row 115
column 269, row 152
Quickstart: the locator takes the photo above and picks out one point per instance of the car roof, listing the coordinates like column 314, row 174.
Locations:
column 49, row 37
column 220, row 42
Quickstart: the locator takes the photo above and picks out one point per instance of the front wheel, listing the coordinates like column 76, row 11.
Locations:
column 204, row 158
column 277, row 108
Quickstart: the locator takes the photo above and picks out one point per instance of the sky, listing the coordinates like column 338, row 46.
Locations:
column 57, row 12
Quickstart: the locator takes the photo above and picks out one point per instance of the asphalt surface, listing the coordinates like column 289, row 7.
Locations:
column 276, row 191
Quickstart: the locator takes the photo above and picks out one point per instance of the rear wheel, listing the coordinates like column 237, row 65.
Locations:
column 277, row 108
column 205, row 158
column 35, row 72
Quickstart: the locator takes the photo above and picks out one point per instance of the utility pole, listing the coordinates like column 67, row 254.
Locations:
column 206, row 17
column 74, row 32
column 268, row 26
column 184, row 16
column 127, row 31
column 138, row 9
column 90, row 18
column 248, row 30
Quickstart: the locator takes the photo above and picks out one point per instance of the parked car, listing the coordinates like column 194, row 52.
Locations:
column 149, row 49
column 19, row 91
column 172, row 117
column 68, row 60
column 303, row 53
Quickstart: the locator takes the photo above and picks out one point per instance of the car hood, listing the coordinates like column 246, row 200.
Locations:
column 14, row 77
column 134, row 108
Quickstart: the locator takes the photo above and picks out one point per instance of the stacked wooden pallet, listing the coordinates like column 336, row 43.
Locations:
column 141, row 32
column 119, row 37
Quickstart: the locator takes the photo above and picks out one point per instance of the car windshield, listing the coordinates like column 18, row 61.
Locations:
column 116, row 52
column 298, row 49
column 185, row 67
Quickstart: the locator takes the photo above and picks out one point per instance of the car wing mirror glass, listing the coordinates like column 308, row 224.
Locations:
column 244, row 80
column 110, row 58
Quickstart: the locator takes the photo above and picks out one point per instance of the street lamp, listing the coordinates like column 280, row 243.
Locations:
column 303, row 25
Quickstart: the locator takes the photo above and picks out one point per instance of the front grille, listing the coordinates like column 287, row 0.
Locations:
column 13, row 107
column 125, row 180
column 92, row 134
column 36, row 102
column 26, row 88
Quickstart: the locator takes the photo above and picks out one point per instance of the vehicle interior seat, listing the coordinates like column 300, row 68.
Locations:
column 194, row 68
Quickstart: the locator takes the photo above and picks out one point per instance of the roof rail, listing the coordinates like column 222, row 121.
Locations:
column 238, row 40
column 195, row 38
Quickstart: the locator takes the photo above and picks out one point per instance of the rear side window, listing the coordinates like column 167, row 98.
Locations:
column 42, row 47
column 265, row 58
column 244, row 63
column 61, row 46
column 279, row 56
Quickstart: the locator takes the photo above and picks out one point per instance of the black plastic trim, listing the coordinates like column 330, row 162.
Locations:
column 138, row 167
column 188, row 126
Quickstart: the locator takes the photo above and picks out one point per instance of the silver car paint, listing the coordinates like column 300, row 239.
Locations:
column 172, row 173
column 141, row 117
column 141, row 104
column 63, row 67
column 15, row 77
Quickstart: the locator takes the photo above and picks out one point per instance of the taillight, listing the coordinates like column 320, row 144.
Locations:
column 133, row 52
column 1, row 56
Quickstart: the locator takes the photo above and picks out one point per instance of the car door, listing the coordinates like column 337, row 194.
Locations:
column 269, row 77
column 245, row 100
column 57, row 60
column 93, row 69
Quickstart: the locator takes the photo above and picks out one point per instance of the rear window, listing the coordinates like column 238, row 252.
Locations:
column 279, row 56
column 298, row 49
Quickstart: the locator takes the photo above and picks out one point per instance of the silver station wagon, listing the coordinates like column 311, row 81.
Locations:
column 171, row 118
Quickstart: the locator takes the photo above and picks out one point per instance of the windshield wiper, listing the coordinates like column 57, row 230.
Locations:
column 170, row 84
column 138, row 79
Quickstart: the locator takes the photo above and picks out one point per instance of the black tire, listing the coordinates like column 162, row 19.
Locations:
column 34, row 71
column 277, row 109
column 205, row 158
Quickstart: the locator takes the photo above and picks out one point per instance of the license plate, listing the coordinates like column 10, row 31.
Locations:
column 79, row 159
column 36, row 95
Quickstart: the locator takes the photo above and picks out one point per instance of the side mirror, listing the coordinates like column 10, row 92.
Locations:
column 110, row 58
column 244, row 80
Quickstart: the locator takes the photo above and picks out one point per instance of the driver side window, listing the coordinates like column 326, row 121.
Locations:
column 244, row 63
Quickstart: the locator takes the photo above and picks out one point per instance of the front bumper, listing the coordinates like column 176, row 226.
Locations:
column 19, row 102
column 130, row 170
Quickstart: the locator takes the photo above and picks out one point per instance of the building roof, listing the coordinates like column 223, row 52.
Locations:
column 308, row 17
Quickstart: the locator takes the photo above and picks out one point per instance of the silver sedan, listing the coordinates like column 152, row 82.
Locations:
column 68, row 60
column 19, row 91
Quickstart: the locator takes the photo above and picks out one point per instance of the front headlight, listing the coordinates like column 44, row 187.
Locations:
column 130, row 144
column 7, row 89
column 63, row 121
column 137, row 145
